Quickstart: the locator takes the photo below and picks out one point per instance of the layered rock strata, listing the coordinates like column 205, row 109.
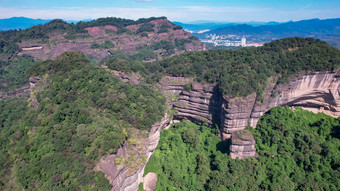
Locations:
column 242, row 145
column 201, row 104
column 317, row 92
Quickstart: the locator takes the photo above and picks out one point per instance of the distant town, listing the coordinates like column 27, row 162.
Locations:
column 228, row 40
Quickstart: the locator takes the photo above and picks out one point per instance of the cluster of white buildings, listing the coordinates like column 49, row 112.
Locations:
column 228, row 40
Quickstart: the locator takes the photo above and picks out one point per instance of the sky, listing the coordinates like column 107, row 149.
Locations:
column 175, row 10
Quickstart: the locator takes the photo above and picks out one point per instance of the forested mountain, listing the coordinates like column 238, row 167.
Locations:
column 99, row 38
column 84, row 113
column 78, row 113
column 243, row 71
column 145, row 39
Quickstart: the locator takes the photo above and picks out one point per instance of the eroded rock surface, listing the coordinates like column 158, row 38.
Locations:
column 202, row 103
column 150, row 181
column 242, row 145
column 125, row 176
column 317, row 92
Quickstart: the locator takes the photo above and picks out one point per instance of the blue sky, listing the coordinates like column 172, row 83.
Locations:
column 175, row 10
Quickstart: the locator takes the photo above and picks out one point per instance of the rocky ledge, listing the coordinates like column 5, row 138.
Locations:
column 242, row 145
column 202, row 103
column 125, row 169
column 316, row 92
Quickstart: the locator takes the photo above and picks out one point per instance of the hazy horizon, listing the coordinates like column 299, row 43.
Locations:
column 182, row 11
column 190, row 22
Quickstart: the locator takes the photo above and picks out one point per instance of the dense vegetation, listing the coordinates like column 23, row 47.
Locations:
column 298, row 150
column 42, row 31
column 118, row 22
column 106, row 45
column 237, row 72
column 83, row 114
column 243, row 71
column 13, row 68
column 13, row 73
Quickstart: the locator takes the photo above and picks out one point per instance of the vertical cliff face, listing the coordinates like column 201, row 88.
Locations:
column 201, row 104
column 235, row 114
column 242, row 145
column 317, row 92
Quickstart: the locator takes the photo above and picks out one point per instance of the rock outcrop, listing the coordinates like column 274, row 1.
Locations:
column 317, row 92
column 33, row 91
column 127, row 177
column 20, row 91
column 150, row 181
column 15, row 93
column 242, row 145
column 201, row 104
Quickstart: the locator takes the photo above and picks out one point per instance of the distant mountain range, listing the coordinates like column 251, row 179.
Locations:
column 211, row 25
column 327, row 30
column 20, row 23
column 300, row 28
column 25, row 23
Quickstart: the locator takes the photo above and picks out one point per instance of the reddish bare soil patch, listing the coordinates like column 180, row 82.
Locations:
column 95, row 31
column 110, row 27
column 132, row 27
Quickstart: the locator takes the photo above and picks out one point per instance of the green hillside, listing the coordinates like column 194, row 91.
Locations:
column 243, row 71
column 83, row 115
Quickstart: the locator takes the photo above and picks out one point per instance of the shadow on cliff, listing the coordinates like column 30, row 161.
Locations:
column 224, row 146
column 215, row 105
column 215, row 108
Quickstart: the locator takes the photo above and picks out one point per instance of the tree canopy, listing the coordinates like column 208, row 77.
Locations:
column 83, row 114
column 297, row 150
